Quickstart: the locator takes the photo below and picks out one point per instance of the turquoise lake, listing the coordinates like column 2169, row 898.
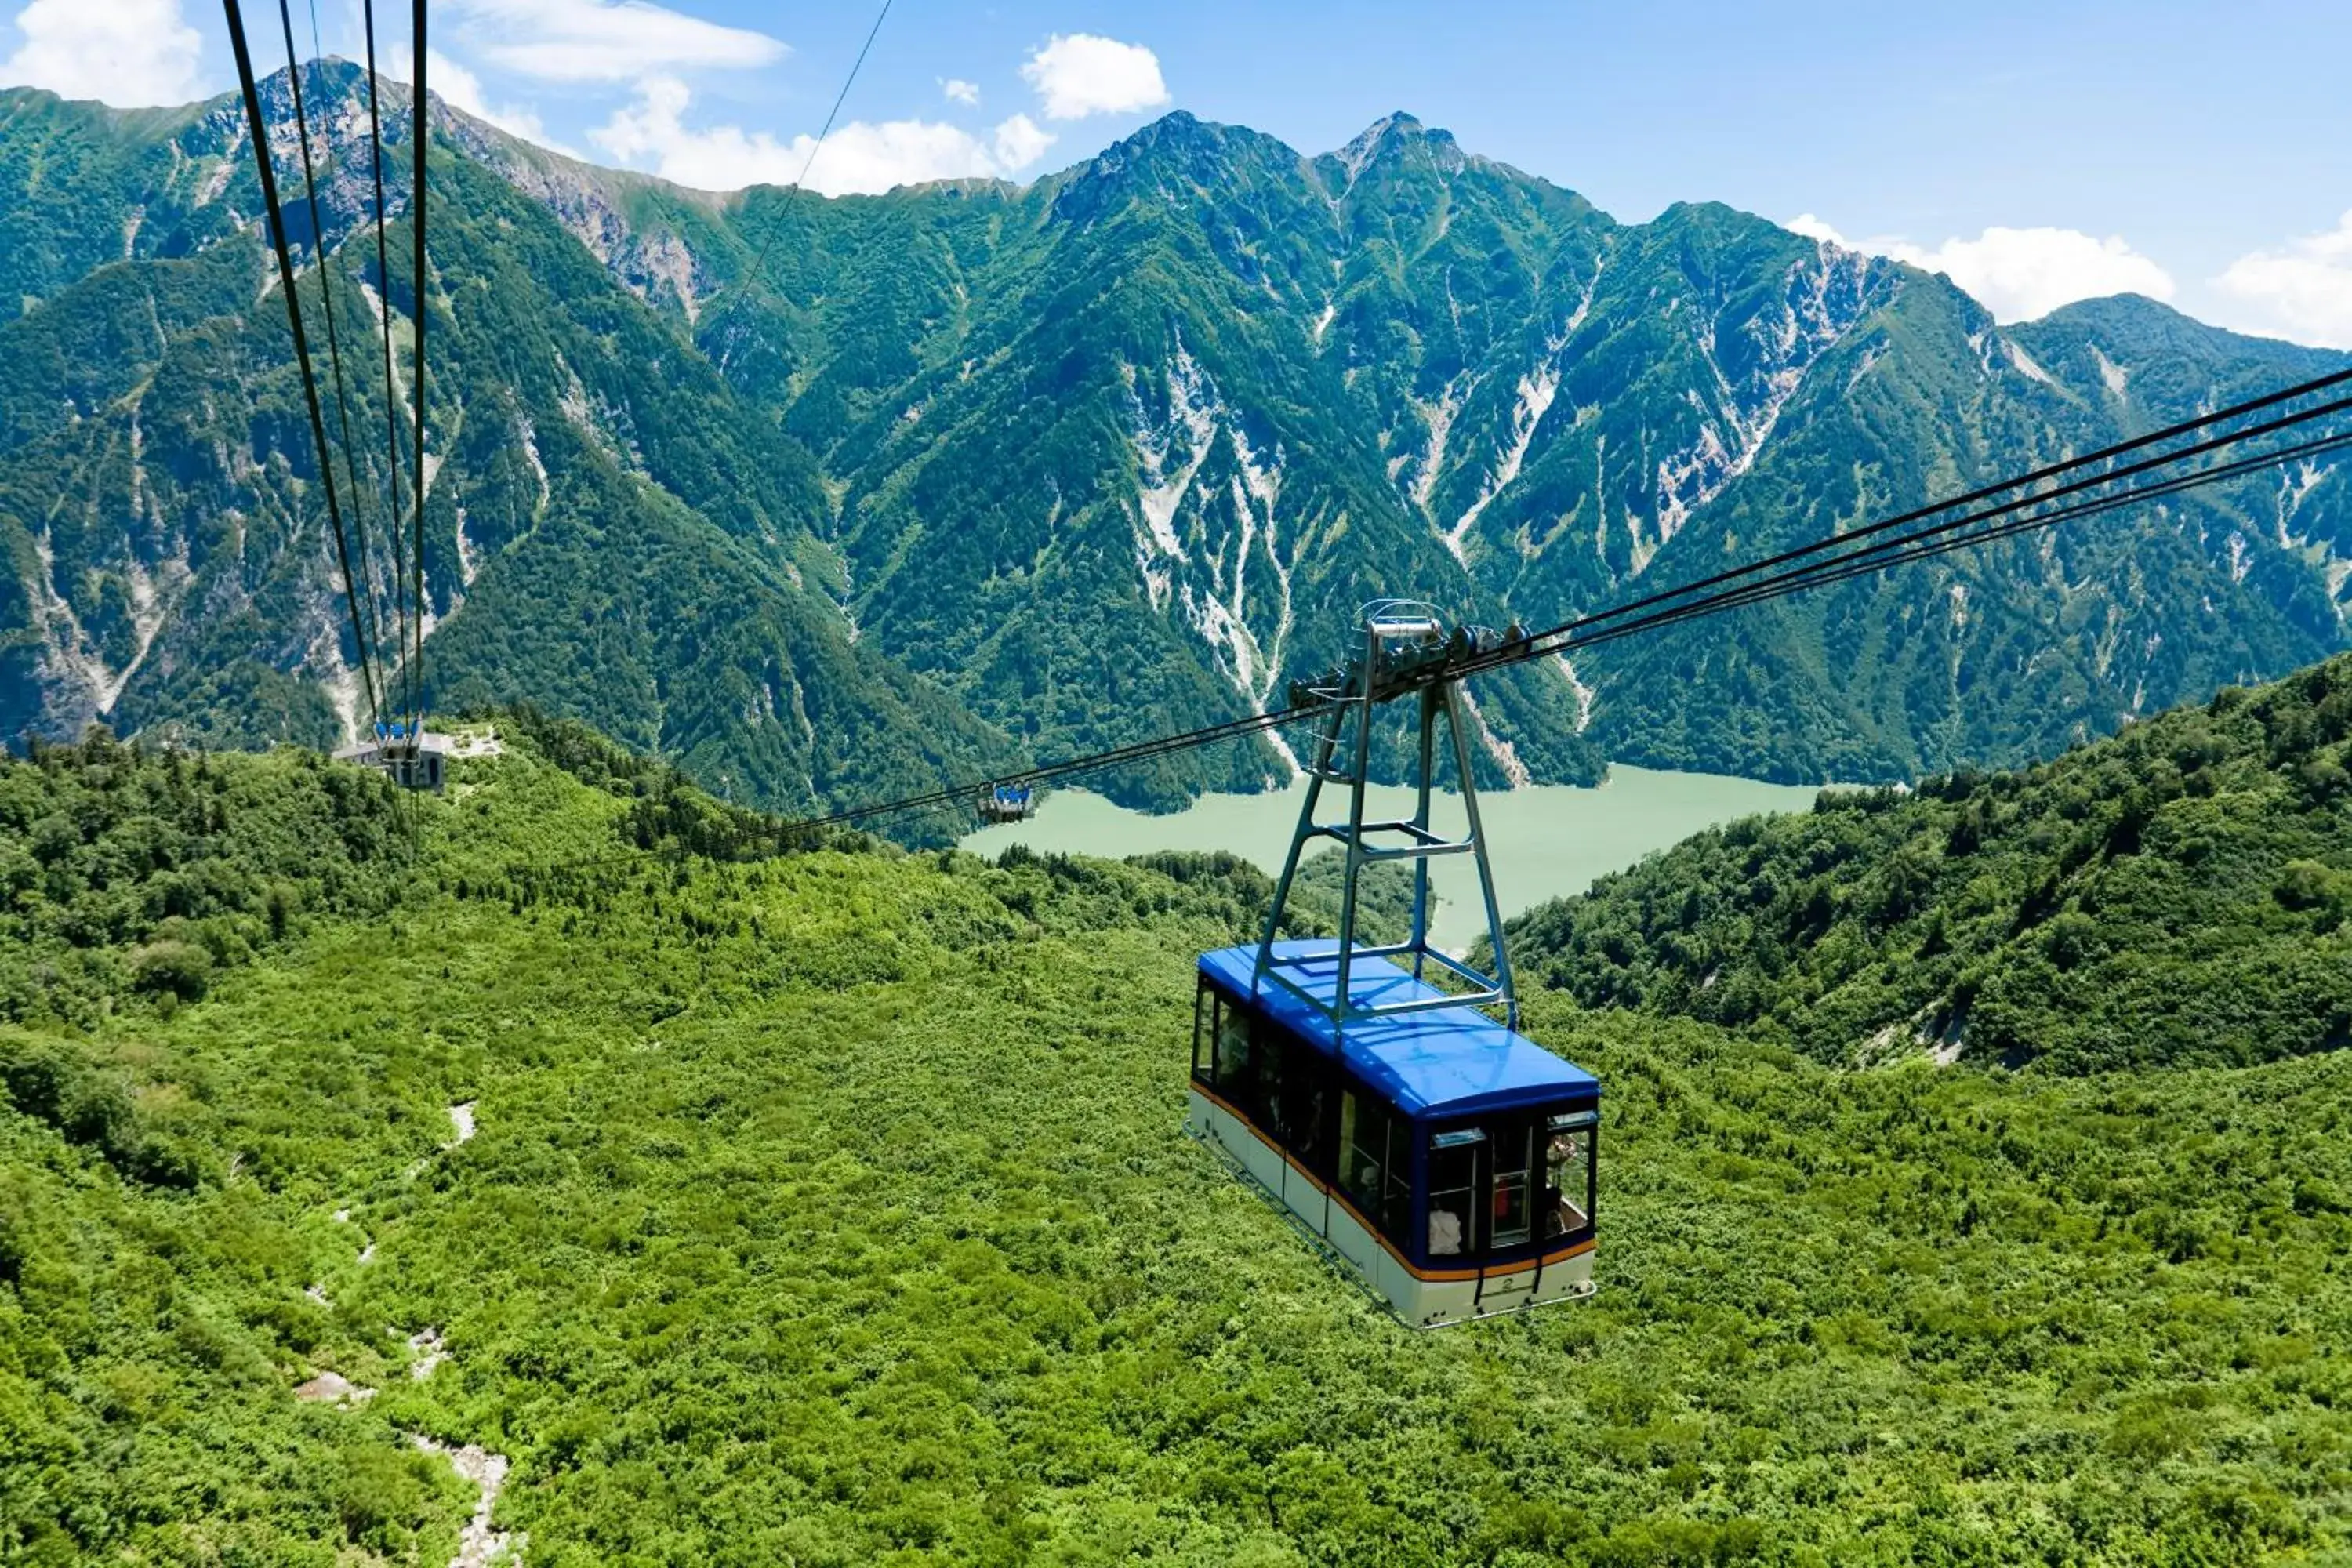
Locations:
column 1544, row 841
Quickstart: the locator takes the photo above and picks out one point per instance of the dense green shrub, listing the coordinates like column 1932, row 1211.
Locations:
column 835, row 1208
column 2177, row 893
column 181, row 968
column 155, row 867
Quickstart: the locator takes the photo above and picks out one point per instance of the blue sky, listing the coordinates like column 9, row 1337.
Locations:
column 2038, row 152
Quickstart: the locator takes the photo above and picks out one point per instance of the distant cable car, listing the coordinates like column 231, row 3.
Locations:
column 1007, row 802
column 1446, row 1158
column 412, row 758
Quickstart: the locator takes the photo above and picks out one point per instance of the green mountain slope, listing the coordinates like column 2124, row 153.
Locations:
column 834, row 1209
column 635, row 544
column 831, row 496
column 2180, row 892
column 2008, row 653
column 1566, row 407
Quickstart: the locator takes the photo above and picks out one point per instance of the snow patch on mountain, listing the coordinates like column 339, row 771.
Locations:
column 605, row 427
column 1168, row 453
column 1217, row 607
column 403, row 336
column 2295, row 488
column 1537, row 389
column 339, row 679
column 469, row 561
column 73, row 660
column 1506, row 756
column 1231, row 586
column 529, row 438
column 1981, row 344
column 1585, row 695
column 1538, row 386
column 1438, row 418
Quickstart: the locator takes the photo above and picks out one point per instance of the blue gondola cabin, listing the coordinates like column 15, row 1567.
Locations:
column 1448, row 1159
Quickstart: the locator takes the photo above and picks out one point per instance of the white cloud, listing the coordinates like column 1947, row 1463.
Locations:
column 2021, row 273
column 958, row 90
column 2302, row 292
column 604, row 40
column 132, row 53
column 1081, row 74
column 653, row 135
column 1021, row 141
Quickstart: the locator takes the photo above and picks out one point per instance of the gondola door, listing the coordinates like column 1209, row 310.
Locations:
column 1511, row 1211
column 1459, row 1163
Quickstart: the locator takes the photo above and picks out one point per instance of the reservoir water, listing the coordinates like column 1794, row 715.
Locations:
column 1545, row 841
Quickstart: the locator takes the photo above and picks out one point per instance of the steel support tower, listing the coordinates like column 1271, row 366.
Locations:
column 1406, row 651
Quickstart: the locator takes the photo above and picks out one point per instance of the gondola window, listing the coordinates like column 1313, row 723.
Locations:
column 1569, row 1173
column 1514, row 1216
column 1455, row 1162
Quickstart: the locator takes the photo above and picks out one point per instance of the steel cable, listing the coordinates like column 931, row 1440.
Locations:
column 334, row 348
column 258, row 127
column 1882, row 552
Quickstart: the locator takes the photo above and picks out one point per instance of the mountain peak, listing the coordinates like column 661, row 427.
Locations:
column 1176, row 157
column 1398, row 137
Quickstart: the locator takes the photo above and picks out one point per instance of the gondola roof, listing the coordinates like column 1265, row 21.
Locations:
column 1443, row 1062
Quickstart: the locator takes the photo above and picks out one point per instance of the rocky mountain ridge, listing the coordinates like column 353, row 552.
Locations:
column 826, row 495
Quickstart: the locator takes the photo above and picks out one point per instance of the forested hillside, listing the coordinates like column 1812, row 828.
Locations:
column 2178, row 893
column 832, row 1208
column 160, row 495
column 826, row 499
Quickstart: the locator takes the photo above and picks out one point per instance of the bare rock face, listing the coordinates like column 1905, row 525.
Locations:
column 478, row 1544
column 332, row 1388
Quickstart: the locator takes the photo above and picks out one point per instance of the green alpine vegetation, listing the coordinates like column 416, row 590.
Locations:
column 830, row 1206
column 826, row 499
column 2178, row 893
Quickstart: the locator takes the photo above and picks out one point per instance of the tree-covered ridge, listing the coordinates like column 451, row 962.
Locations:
column 834, row 499
column 2180, row 892
column 832, row 1208
column 609, row 531
column 125, row 869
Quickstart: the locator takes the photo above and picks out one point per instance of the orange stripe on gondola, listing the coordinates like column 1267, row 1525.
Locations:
column 1440, row 1276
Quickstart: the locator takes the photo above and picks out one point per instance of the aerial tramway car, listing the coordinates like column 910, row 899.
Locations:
column 1007, row 802
column 413, row 759
column 1446, row 1158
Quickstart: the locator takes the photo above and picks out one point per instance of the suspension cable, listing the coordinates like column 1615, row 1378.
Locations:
column 1839, row 541
column 760, row 261
column 258, row 127
column 1923, row 545
column 1758, row 586
column 1919, row 545
column 334, row 347
column 391, row 385
column 420, row 137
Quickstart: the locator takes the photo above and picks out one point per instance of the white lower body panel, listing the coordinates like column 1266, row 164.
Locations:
column 1424, row 1298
